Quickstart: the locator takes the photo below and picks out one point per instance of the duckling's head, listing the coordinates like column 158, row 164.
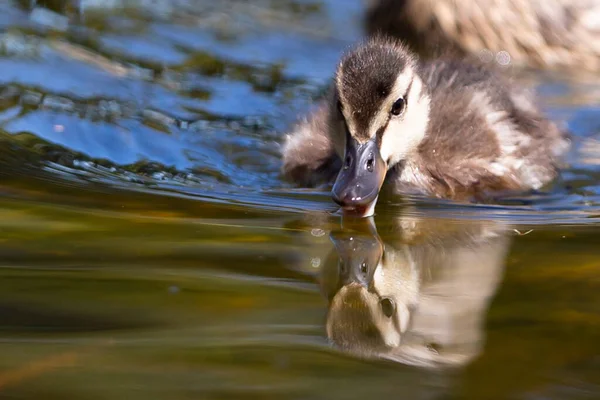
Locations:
column 382, row 115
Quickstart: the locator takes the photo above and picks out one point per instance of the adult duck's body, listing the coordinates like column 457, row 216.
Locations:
column 446, row 129
column 543, row 34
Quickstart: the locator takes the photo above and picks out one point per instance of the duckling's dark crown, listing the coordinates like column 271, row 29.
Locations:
column 378, row 49
column 367, row 73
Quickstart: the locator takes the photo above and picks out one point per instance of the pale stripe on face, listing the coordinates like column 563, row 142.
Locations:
column 399, row 89
column 403, row 134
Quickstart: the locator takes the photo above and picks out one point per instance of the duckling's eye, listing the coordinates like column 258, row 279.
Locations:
column 388, row 307
column 398, row 106
column 363, row 267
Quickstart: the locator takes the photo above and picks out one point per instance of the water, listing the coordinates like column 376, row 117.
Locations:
column 149, row 249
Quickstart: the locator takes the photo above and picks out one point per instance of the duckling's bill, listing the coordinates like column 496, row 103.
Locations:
column 357, row 186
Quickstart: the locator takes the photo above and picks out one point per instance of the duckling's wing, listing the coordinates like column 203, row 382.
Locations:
column 485, row 132
column 309, row 157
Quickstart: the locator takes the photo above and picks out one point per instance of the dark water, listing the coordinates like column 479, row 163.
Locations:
column 149, row 249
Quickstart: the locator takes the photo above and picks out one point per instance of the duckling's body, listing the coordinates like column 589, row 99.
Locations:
column 465, row 132
column 562, row 34
column 483, row 136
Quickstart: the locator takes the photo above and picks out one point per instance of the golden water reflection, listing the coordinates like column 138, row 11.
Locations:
column 418, row 295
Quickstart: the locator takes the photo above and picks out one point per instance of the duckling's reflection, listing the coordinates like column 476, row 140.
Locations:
column 420, row 301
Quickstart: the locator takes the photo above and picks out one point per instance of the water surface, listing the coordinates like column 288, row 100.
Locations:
column 150, row 249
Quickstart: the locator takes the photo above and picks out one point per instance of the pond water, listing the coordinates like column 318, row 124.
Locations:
column 150, row 249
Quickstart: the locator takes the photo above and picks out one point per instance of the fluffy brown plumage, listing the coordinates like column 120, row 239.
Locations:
column 481, row 133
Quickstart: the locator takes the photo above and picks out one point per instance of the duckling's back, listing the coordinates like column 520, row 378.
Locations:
column 485, row 133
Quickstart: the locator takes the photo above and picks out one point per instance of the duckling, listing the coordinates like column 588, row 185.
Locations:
column 552, row 34
column 446, row 128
